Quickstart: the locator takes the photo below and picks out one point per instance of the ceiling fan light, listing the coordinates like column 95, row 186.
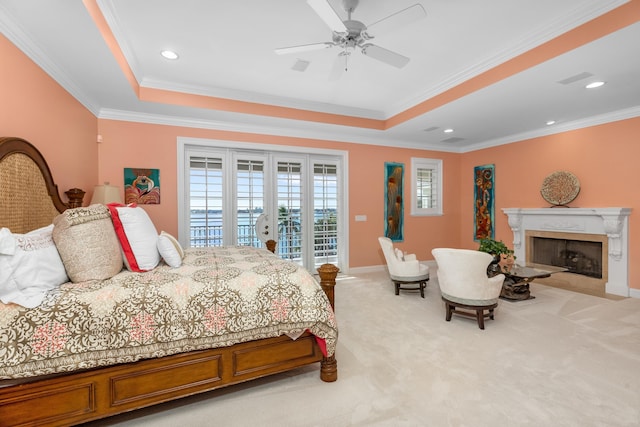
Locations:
column 169, row 54
column 594, row 85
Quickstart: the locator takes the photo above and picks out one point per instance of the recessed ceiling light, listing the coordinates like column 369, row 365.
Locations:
column 550, row 122
column 594, row 85
column 169, row 54
column 448, row 130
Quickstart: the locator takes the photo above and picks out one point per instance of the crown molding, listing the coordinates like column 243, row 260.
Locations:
column 253, row 97
column 358, row 138
column 22, row 41
column 613, row 116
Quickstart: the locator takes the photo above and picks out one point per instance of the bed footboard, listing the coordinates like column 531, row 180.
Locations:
column 98, row 393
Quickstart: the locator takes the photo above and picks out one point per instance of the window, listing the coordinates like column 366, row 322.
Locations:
column 225, row 187
column 426, row 180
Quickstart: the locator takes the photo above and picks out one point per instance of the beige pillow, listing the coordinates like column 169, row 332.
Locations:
column 170, row 249
column 87, row 243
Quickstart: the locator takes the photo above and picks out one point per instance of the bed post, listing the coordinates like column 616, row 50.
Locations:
column 328, row 274
column 271, row 245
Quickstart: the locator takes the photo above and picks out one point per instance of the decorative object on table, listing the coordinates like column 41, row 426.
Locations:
column 500, row 252
column 404, row 269
column 465, row 287
column 560, row 188
column 142, row 186
column 394, row 201
column 484, row 206
column 75, row 196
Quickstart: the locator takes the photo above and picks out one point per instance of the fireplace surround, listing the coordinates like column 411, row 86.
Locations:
column 611, row 223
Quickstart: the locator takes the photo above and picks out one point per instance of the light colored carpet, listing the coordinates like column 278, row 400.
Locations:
column 561, row 359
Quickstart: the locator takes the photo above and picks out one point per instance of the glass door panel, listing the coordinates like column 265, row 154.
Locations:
column 249, row 200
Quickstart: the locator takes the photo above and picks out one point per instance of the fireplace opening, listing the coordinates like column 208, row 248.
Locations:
column 577, row 256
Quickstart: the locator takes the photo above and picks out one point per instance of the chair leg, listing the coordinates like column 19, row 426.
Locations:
column 397, row 288
column 422, row 286
column 480, row 317
column 449, row 310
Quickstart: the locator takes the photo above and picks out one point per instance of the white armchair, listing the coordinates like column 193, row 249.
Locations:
column 464, row 284
column 404, row 269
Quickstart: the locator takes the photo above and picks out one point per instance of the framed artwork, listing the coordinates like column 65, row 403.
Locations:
column 142, row 186
column 394, row 201
column 484, row 209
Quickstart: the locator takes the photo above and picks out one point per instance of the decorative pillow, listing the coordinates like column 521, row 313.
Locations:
column 29, row 266
column 87, row 243
column 137, row 235
column 399, row 254
column 170, row 249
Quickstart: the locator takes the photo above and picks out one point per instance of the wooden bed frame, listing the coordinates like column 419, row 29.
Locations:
column 82, row 396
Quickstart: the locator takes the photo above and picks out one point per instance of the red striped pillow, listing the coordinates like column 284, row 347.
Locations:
column 137, row 235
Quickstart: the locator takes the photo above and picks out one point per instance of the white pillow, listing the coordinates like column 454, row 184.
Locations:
column 170, row 249
column 29, row 266
column 399, row 254
column 138, row 237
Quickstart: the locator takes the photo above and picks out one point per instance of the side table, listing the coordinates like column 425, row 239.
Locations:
column 516, row 282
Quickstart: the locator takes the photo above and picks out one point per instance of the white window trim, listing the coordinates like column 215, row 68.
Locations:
column 436, row 166
column 189, row 143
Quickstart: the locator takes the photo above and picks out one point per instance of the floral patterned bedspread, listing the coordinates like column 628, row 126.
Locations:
column 218, row 297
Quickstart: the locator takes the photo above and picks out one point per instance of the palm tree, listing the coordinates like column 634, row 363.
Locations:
column 288, row 230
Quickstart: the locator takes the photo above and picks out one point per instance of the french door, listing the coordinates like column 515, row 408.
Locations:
column 244, row 197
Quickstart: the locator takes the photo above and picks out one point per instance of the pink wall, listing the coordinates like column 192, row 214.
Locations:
column 36, row 108
column 127, row 144
column 604, row 158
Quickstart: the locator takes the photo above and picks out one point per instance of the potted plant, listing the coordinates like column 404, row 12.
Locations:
column 500, row 252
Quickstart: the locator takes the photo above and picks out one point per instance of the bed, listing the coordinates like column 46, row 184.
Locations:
column 250, row 315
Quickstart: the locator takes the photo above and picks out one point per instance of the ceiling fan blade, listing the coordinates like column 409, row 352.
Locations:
column 339, row 66
column 396, row 20
column 385, row 55
column 328, row 15
column 303, row 48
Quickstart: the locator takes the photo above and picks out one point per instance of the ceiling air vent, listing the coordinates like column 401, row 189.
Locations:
column 453, row 139
column 432, row 128
column 300, row 65
column 575, row 78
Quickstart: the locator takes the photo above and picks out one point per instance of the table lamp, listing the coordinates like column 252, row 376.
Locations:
column 105, row 194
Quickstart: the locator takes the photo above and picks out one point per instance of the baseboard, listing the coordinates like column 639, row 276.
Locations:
column 368, row 269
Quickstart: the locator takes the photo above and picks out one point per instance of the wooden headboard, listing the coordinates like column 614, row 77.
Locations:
column 29, row 198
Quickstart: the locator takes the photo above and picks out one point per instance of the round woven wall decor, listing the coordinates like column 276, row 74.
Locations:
column 560, row 188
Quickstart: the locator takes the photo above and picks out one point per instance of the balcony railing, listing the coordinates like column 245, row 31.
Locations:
column 289, row 244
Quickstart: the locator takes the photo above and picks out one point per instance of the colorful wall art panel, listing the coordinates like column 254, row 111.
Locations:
column 142, row 186
column 484, row 202
column 394, row 201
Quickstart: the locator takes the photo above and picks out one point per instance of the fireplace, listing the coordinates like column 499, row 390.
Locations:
column 591, row 243
column 578, row 256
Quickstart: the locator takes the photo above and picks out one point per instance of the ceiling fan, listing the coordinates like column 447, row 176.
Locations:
column 351, row 34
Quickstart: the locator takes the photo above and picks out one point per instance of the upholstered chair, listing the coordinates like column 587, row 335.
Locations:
column 464, row 285
column 406, row 272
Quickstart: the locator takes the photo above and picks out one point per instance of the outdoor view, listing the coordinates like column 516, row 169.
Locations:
column 207, row 198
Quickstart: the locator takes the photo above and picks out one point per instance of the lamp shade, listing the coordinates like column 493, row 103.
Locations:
column 106, row 194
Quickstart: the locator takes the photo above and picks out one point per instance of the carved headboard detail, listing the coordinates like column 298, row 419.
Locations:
column 29, row 198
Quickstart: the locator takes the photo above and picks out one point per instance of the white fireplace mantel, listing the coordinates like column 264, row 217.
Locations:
column 612, row 222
